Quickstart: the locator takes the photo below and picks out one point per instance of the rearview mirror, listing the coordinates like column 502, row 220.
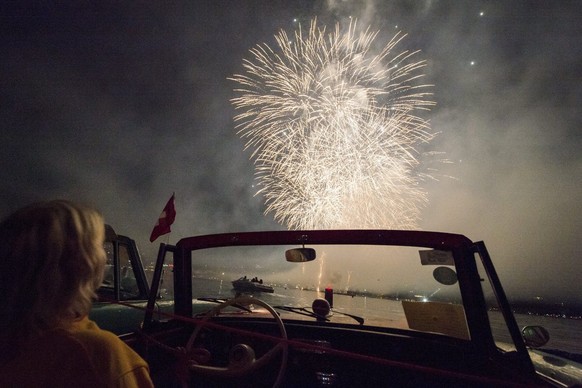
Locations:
column 300, row 255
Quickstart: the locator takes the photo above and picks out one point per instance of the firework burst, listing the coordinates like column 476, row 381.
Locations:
column 333, row 129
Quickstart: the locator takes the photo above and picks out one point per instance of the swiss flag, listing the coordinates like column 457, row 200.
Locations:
column 166, row 219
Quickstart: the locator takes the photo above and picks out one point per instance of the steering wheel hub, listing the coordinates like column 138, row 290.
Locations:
column 241, row 355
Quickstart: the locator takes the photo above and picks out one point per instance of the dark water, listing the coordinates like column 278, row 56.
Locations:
column 565, row 334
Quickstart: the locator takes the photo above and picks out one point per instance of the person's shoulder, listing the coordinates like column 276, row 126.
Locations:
column 103, row 344
column 87, row 332
column 109, row 353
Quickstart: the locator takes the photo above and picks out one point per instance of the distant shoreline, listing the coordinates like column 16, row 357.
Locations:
column 557, row 310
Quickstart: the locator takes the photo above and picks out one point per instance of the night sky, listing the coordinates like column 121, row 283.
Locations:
column 120, row 104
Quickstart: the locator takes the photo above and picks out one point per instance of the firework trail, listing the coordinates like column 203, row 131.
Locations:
column 333, row 129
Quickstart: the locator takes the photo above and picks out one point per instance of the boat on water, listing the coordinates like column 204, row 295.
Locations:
column 244, row 284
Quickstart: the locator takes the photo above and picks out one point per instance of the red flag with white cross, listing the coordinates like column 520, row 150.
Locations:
column 166, row 219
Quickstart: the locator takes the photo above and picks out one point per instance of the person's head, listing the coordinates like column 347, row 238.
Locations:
column 51, row 262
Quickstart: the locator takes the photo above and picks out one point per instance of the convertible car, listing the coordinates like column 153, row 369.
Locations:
column 349, row 308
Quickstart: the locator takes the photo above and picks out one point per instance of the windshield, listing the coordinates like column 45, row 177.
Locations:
column 385, row 286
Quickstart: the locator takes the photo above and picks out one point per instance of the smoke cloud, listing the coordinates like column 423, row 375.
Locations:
column 119, row 106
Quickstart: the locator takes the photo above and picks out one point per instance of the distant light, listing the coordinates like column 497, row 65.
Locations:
column 472, row 63
column 481, row 13
column 396, row 26
column 295, row 20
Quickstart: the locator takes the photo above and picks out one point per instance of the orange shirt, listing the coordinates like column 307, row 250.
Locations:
column 82, row 356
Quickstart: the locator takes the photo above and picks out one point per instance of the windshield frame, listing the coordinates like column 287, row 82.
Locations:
column 462, row 249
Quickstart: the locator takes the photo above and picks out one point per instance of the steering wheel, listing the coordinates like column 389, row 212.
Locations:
column 242, row 359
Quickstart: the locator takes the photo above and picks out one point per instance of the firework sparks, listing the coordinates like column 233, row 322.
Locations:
column 333, row 129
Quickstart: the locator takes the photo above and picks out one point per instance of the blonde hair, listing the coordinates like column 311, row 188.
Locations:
column 51, row 262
